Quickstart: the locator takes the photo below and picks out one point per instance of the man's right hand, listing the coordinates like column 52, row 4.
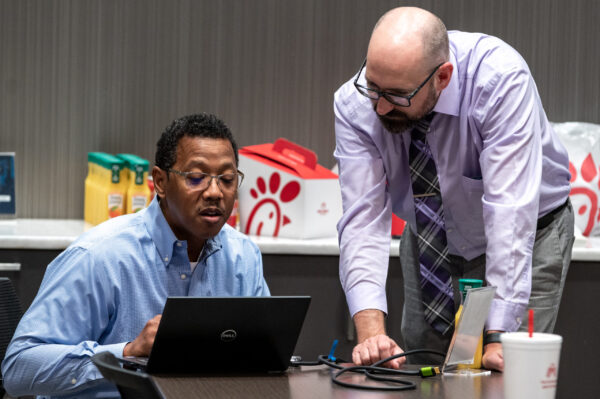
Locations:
column 142, row 344
column 374, row 344
column 376, row 348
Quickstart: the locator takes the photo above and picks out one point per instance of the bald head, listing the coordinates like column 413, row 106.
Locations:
column 407, row 57
column 409, row 35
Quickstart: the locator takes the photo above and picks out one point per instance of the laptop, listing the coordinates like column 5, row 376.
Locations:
column 226, row 335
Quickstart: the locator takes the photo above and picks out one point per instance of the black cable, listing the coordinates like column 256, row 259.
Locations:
column 374, row 372
column 371, row 372
column 405, row 384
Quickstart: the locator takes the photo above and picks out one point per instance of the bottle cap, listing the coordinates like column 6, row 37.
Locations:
column 465, row 284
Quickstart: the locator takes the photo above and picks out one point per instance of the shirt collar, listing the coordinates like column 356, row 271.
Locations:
column 211, row 246
column 165, row 240
column 449, row 101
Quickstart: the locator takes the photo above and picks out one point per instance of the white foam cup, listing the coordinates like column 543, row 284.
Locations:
column 530, row 365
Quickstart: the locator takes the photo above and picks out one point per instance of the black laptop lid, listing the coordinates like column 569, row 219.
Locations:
column 227, row 334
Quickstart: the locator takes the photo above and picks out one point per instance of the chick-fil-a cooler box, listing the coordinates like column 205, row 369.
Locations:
column 286, row 193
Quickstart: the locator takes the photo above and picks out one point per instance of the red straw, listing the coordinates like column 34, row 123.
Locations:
column 530, row 323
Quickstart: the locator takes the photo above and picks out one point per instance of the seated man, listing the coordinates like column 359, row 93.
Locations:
column 106, row 290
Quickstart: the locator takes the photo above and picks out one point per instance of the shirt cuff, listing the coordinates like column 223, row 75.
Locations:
column 366, row 295
column 504, row 316
column 115, row 349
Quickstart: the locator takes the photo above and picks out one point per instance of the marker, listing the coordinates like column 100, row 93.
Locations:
column 332, row 351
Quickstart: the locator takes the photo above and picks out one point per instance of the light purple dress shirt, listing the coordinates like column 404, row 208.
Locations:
column 500, row 166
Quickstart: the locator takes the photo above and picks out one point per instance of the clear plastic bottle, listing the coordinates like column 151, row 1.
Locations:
column 464, row 285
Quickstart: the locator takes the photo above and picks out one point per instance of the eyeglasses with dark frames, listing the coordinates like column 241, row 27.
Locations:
column 227, row 182
column 396, row 99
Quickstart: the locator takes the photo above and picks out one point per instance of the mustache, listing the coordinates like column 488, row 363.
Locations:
column 396, row 121
column 394, row 115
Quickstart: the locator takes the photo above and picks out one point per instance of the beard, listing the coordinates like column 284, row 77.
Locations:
column 397, row 121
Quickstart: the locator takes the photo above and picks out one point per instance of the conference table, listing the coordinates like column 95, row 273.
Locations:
column 315, row 382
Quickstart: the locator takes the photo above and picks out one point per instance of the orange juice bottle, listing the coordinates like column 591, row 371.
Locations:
column 91, row 187
column 94, row 211
column 138, row 192
column 111, row 187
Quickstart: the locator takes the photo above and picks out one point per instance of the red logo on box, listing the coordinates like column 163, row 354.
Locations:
column 323, row 210
column 287, row 194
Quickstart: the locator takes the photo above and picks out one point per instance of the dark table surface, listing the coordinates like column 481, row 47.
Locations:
column 315, row 382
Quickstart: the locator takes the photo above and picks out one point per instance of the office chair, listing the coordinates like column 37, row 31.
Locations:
column 10, row 314
column 131, row 384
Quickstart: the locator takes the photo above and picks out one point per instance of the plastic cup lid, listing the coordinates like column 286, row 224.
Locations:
column 524, row 338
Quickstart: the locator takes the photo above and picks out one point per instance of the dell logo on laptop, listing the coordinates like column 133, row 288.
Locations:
column 228, row 335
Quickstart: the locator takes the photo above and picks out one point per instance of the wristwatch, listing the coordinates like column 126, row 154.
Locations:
column 491, row 338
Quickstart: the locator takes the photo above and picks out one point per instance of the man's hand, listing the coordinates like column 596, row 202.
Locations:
column 374, row 344
column 142, row 344
column 376, row 348
column 492, row 357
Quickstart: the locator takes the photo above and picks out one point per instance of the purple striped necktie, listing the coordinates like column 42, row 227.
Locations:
column 436, row 281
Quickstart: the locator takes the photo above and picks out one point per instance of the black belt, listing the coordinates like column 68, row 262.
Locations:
column 548, row 218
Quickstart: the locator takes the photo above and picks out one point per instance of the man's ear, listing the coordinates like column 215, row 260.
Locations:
column 444, row 74
column 159, row 177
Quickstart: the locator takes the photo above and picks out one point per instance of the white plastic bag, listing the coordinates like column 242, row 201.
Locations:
column 582, row 141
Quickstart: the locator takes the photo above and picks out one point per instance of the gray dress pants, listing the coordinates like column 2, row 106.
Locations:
column 551, row 259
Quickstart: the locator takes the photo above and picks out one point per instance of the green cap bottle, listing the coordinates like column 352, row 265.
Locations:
column 465, row 284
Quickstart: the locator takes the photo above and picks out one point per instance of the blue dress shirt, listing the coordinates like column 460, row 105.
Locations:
column 500, row 167
column 99, row 293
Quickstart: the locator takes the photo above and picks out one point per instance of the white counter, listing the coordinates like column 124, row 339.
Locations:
column 57, row 234
column 40, row 233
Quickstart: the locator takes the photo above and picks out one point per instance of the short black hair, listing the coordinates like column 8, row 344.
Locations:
column 196, row 125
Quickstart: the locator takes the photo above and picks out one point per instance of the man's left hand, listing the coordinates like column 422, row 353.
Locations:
column 142, row 344
column 492, row 357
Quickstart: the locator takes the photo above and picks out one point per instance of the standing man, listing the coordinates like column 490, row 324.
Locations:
column 106, row 291
column 447, row 131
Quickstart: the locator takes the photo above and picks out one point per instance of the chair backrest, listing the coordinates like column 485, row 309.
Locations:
column 10, row 314
column 131, row 384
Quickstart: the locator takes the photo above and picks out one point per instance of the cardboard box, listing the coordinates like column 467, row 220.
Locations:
column 397, row 226
column 286, row 193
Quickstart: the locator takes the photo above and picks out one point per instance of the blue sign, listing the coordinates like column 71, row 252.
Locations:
column 7, row 183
